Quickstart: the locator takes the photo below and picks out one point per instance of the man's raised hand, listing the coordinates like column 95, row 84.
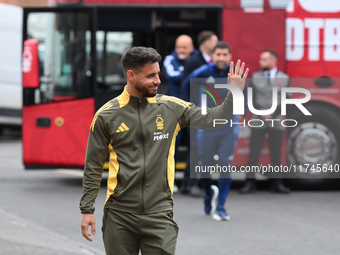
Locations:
column 238, row 76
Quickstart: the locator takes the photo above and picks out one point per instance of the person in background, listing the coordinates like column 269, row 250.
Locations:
column 174, row 64
column 206, row 42
column 216, row 146
column 263, row 83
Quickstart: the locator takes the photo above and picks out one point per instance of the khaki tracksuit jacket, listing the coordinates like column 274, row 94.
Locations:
column 139, row 133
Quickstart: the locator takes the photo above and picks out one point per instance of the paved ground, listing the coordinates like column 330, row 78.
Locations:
column 39, row 215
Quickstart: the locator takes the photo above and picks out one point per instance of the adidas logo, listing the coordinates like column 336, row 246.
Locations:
column 123, row 127
column 210, row 80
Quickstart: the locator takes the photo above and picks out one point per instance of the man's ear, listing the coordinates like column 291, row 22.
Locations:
column 130, row 74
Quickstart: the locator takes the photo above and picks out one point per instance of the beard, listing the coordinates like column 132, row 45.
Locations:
column 222, row 65
column 144, row 90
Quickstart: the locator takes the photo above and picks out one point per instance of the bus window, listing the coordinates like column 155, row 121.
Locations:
column 110, row 48
column 110, row 76
column 64, row 55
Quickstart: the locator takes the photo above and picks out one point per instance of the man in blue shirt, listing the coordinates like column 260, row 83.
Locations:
column 174, row 64
column 215, row 146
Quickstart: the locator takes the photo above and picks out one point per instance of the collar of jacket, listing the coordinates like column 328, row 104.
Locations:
column 126, row 98
column 213, row 66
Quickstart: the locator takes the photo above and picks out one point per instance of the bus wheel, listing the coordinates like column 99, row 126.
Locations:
column 313, row 147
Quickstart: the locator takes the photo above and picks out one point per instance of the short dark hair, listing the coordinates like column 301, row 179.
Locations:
column 222, row 45
column 204, row 36
column 137, row 57
column 271, row 52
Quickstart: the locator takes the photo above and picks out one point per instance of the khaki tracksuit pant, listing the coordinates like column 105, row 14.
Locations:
column 127, row 233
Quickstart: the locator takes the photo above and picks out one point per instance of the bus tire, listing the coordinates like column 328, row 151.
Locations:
column 315, row 141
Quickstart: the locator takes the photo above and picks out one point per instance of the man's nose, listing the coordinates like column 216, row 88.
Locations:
column 157, row 80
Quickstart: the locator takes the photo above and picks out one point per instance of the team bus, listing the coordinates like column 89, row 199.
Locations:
column 71, row 67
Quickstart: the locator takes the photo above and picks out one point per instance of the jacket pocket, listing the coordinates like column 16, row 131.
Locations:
column 104, row 220
column 170, row 215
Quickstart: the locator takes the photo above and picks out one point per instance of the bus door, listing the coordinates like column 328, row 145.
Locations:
column 58, row 85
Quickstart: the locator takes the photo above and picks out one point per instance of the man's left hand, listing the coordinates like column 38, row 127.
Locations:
column 237, row 76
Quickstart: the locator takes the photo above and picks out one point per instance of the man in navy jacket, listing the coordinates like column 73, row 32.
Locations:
column 174, row 64
column 215, row 146
column 206, row 42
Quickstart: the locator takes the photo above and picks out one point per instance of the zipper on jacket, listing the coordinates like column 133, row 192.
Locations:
column 143, row 148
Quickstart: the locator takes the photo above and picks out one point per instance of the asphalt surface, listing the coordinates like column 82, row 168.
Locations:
column 39, row 215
